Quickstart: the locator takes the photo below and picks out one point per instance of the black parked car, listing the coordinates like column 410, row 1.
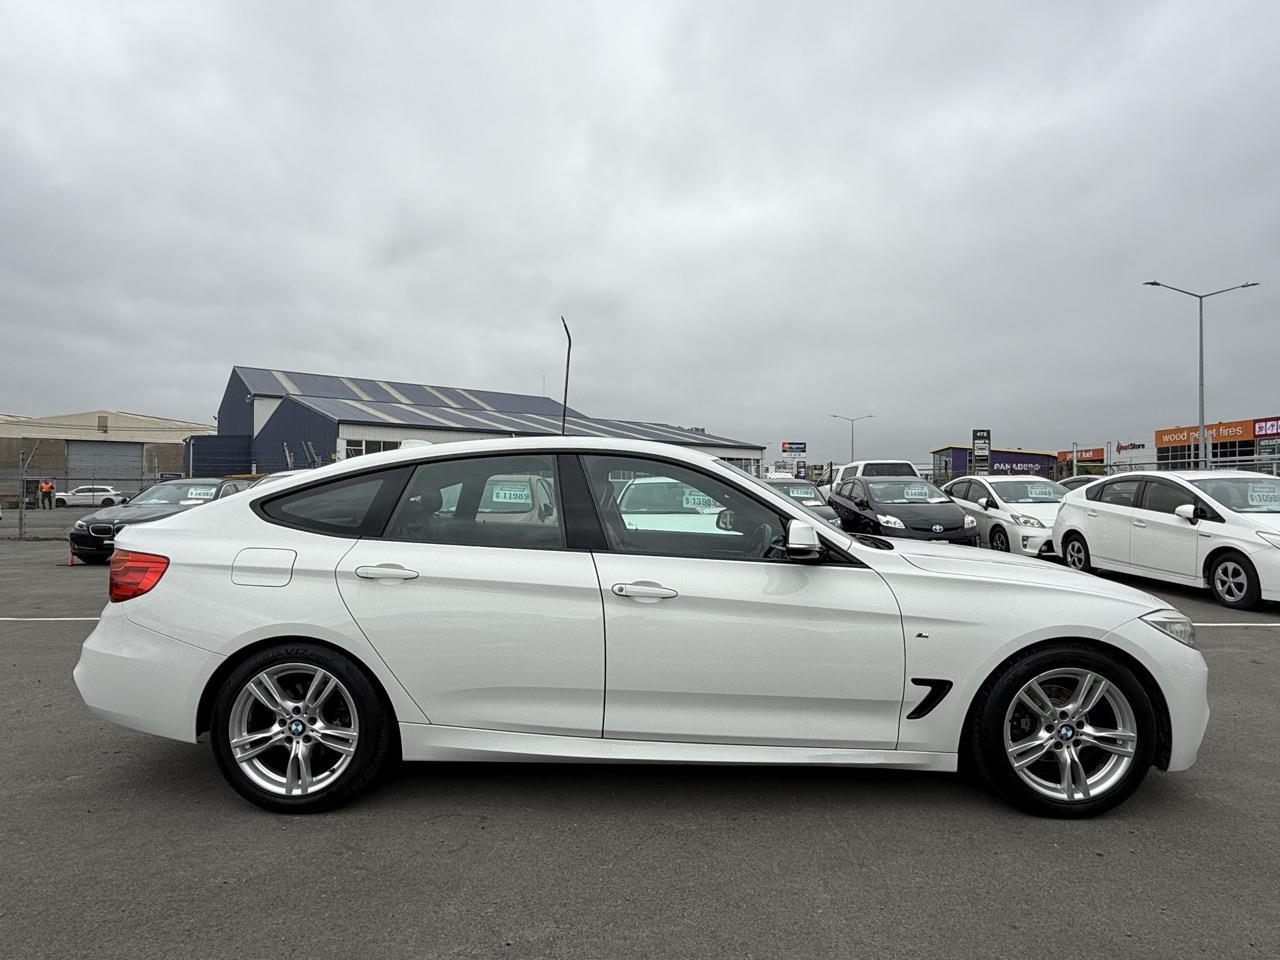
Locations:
column 93, row 537
column 806, row 494
column 902, row 507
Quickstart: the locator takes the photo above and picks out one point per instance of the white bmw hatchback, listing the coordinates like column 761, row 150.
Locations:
column 389, row 605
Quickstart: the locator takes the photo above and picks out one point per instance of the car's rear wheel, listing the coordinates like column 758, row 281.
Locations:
column 59, row 503
column 107, row 501
column 299, row 728
column 1234, row 582
column 999, row 539
column 1063, row 731
column 1075, row 553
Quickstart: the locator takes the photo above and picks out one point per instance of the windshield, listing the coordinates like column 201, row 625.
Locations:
column 797, row 491
column 906, row 491
column 1029, row 491
column 1244, row 494
column 665, row 496
column 183, row 493
column 757, row 482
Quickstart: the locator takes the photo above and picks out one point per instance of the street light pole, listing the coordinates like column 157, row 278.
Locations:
column 852, row 421
column 1205, row 454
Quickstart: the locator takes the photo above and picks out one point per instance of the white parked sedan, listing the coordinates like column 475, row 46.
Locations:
column 317, row 627
column 1214, row 528
column 1015, row 514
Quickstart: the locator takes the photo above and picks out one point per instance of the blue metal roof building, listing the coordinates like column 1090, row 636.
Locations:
column 289, row 418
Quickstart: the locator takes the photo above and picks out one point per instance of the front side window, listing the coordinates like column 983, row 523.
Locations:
column 959, row 490
column 1118, row 493
column 670, row 510
column 482, row 502
column 1165, row 497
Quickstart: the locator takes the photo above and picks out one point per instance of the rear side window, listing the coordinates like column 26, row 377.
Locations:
column 482, row 502
column 1118, row 493
column 350, row 507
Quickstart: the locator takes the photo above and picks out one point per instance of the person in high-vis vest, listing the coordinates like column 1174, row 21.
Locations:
column 46, row 494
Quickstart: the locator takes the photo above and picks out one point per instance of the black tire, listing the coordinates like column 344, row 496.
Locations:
column 373, row 746
column 107, row 501
column 1234, row 597
column 984, row 743
column 1002, row 543
column 1076, row 560
column 59, row 503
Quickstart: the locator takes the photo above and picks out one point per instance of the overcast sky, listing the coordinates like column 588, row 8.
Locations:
column 752, row 215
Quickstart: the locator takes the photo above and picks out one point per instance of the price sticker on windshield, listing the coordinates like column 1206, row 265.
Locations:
column 1260, row 496
column 200, row 493
column 1039, row 491
column 512, row 493
column 916, row 491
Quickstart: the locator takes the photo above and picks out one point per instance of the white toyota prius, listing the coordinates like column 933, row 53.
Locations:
column 388, row 606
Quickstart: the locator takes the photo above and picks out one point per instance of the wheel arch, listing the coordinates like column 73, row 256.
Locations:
column 1216, row 554
column 204, row 708
column 1164, row 726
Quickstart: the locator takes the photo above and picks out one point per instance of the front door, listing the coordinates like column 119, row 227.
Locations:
column 1162, row 541
column 714, row 637
column 473, row 601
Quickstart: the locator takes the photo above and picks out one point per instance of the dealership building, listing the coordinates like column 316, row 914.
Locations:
column 1172, row 448
column 280, row 419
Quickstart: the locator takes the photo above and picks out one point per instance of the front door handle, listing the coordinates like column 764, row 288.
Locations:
column 1091, row 513
column 1139, row 523
column 644, row 591
column 386, row 571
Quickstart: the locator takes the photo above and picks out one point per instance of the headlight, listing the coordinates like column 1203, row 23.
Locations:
column 969, row 522
column 1173, row 624
column 1024, row 521
column 79, row 525
column 1271, row 538
column 888, row 521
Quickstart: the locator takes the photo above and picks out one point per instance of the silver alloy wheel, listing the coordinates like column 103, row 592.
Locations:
column 1231, row 580
column 999, row 540
column 293, row 729
column 1070, row 734
column 1075, row 554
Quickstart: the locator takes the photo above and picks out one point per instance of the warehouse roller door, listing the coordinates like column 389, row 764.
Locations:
column 106, row 460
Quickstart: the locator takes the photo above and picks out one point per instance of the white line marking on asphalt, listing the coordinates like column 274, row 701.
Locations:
column 49, row 619
column 1247, row 623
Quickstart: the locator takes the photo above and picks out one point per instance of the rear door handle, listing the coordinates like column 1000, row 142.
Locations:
column 1139, row 523
column 386, row 571
column 1091, row 513
column 644, row 591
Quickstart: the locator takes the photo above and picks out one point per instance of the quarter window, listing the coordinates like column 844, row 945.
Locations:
column 351, row 507
column 482, row 501
column 670, row 510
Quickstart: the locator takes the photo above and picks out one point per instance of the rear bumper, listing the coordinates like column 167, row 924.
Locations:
column 139, row 679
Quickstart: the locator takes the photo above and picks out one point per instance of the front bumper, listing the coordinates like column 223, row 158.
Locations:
column 1032, row 542
column 961, row 538
column 84, row 543
column 139, row 679
column 1267, row 563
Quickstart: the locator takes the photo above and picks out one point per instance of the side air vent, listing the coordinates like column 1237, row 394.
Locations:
column 938, row 689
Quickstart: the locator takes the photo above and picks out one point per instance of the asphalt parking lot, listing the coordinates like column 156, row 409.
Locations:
column 116, row 844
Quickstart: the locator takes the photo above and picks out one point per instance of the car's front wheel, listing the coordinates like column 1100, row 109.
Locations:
column 999, row 539
column 1063, row 731
column 298, row 728
column 1234, row 582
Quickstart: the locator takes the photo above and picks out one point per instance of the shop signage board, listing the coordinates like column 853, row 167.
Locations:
column 981, row 451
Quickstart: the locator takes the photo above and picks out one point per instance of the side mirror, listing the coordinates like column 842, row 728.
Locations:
column 984, row 503
column 1187, row 512
column 724, row 520
column 545, row 510
column 802, row 541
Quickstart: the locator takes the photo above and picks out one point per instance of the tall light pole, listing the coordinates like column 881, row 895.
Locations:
column 852, row 421
column 1205, row 445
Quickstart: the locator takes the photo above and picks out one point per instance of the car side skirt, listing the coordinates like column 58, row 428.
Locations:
column 424, row 741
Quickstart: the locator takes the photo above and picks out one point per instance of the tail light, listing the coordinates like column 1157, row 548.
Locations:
column 133, row 573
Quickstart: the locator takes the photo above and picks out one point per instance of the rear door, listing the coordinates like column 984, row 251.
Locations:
column 1109, row 519
column 473, row 599
column 1162, row 541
